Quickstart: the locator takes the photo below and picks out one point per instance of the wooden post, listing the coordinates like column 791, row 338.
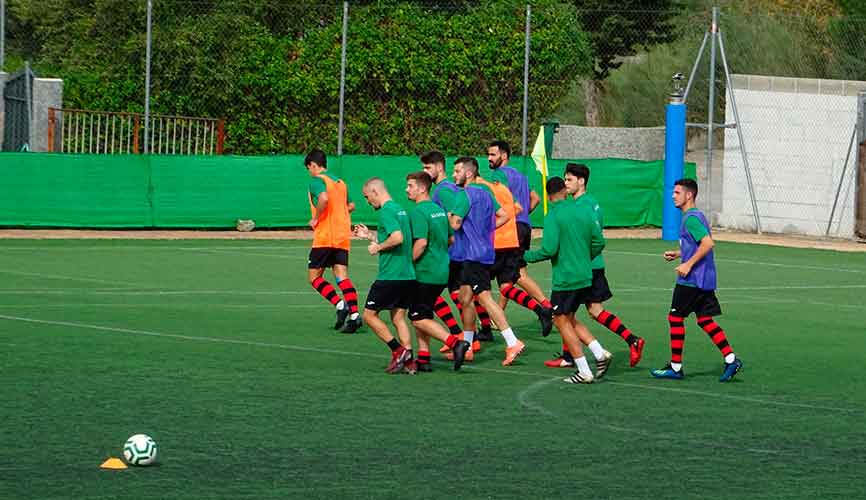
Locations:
column 52, row 122
column 221, row 135
column 860, row 195
column 136, row 127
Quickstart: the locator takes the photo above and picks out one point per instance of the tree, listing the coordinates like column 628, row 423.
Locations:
column 634, row 25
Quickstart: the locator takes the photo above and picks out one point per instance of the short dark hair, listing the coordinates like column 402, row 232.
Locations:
column 555, row 185
column 318, row 157
column 433, row 157
column 578, row 170
column 469, row 163
column 689, row 185
column 421, row 178
column 503, row 146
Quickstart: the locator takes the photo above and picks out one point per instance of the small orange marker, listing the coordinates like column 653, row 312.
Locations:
column 113, row 463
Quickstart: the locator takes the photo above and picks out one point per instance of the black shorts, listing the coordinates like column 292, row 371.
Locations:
column 389, row 295
column 476, row 275
column 524, row 236
column 455, row 269
column 322, row 257
column 600, row 290
column 423, row 301
column 506, row 267
column 690, row 299
column 569, row 301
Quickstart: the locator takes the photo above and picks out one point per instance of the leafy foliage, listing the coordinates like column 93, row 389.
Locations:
column 419, row 75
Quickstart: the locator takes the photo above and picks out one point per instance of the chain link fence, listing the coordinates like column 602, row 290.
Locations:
column 401, row 77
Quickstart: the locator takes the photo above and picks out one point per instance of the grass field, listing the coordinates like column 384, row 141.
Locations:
column 223, row 353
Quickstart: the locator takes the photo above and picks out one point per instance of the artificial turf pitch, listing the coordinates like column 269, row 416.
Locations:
column 223, row 353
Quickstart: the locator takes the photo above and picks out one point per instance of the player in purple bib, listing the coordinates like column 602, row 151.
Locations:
column 475, row 217
column 696, row 285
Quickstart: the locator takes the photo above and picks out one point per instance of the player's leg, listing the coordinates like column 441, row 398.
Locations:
column 319, row 260
column 564, row 325
column 379, row 298
column 398, row 319
column 350, row 294
column 706, row 310
column 682, row 303
column 600, row 292
column 602, row 357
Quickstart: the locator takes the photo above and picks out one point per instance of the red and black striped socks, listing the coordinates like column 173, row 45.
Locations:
column 521, row 297
column 327, row 291
column 443, row 311
column 678, row 339
column 483, row 317
column 612, row 323
column 717, row 335
column 350, row 295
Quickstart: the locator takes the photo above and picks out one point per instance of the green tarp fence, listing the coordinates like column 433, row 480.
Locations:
column 140, row 191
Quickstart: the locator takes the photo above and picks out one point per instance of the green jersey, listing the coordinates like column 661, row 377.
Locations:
column 317, row 187
column 590, row 201
column 430, row 222
column 571, row 240
column 395, row 263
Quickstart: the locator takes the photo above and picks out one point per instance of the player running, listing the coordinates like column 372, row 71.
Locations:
column 330, row 207
column 572, row 238
column 576, row 179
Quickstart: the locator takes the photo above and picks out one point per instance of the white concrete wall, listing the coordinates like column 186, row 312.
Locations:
column 796, row 134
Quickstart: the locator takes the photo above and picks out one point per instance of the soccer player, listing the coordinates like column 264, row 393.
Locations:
column 696, row 285
column 498, row 154
column 444, row 193
column 330, row 207
column 576, row 178
column 572, row 238
column 396, row 278
column 509, row 255
column 475, row 217
column 430, row 235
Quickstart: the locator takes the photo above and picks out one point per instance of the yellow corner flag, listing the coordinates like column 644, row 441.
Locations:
column 539, row 156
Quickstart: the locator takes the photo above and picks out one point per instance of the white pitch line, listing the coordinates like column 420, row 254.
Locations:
column 170, row 305
column 353, row 353
column 751, row 262
column 524, row 398
column 64, row 277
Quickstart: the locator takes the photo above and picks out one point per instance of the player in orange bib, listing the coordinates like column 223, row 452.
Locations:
column 330, row 207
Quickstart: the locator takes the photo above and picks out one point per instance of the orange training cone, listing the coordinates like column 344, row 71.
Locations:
column 113, row 463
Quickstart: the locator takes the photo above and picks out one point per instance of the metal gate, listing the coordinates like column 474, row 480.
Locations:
column 18, row 97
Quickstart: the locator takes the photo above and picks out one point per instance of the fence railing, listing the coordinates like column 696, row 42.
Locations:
column 102, row 132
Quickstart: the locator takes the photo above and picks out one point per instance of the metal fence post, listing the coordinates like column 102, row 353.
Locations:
column 526, row 78
column 2, row 34
column 147, row 77
column 714, row 29
column 343, row 78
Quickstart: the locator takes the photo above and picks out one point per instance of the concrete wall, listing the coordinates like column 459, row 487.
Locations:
column 47, row 93
column 572, row 141
column 796, row 134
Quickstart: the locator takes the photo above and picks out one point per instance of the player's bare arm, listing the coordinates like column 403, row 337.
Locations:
column 321, row 206
column 394, row 239
column 534, row 200
column 501, row 217
column 703, row 249
column 418, row 248
column 672, row 255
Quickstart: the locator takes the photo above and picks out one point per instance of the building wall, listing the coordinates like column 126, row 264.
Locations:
column 572, row 141
column 796, row 134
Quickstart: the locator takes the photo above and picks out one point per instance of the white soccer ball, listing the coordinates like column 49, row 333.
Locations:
column 140, row 449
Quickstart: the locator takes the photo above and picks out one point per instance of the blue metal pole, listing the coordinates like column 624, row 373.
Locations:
column 675, row 151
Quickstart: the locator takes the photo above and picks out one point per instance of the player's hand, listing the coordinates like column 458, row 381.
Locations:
column 313, row 223
column 373, row 248
column 361, row 231
column 671, row 255
column 683, row 270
